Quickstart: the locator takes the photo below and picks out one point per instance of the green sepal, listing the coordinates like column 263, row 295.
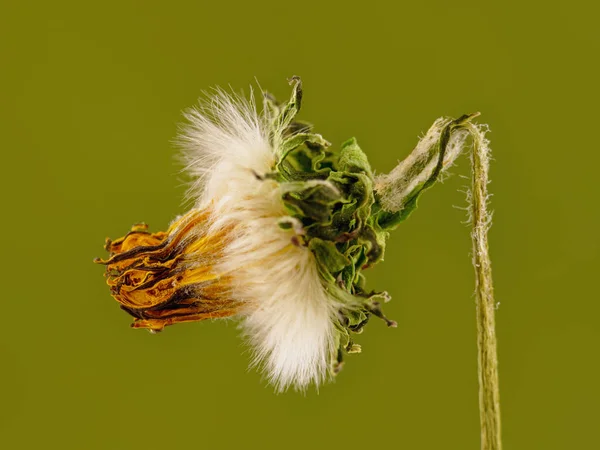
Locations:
column 330, row 195
column 330, row 261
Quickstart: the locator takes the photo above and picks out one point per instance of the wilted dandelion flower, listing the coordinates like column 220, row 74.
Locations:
column 280, row 232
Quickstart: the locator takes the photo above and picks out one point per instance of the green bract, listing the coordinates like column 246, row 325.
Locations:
column 339, row 215
column 331, row 194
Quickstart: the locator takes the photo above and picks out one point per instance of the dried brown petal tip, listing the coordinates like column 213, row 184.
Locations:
column 168, row 277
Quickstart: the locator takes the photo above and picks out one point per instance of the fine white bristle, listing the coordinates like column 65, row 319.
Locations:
column 288, row 315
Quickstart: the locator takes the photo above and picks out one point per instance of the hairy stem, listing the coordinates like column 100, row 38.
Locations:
column 489, row 393
column 398, row 193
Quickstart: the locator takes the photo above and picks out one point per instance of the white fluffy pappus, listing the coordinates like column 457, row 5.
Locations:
column 288, row 316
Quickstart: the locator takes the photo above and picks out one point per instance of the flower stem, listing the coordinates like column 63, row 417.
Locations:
column 489, row 397
column 398, row 193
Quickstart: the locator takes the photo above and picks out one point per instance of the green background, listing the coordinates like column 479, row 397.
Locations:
column 91, row 97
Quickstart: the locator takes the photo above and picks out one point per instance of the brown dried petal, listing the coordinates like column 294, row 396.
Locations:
column 168, row 277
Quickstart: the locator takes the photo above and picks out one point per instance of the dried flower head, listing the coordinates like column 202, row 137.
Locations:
column 280, row 233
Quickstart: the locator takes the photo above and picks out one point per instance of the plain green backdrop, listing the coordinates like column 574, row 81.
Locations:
column 91, row 95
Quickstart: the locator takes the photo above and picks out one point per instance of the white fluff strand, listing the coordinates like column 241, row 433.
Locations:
column 288, row 314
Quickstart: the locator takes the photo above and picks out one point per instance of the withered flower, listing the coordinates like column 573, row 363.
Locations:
column 279, row 235
column 159, row 280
